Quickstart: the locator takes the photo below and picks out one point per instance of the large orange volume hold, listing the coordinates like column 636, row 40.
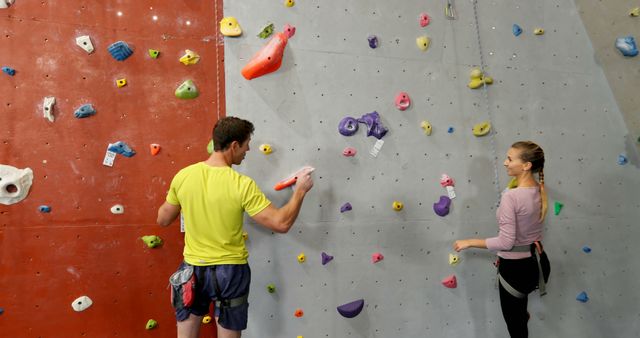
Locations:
column 268, row 59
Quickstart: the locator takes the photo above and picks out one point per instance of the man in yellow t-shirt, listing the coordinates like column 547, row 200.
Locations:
column 213, row 198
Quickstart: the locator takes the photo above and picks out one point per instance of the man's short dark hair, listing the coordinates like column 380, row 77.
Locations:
column 230, row 129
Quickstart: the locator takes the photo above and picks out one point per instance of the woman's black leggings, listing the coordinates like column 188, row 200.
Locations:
column 522, row 275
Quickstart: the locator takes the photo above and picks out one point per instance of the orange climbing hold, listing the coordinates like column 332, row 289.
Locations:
column 299, row 313
column 154, row 148
column 268, row 59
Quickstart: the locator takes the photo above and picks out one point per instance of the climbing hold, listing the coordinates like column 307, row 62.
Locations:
column 266, row 31
column 442, row 207
column 154, row 53
column 513, row 183
column 85, row 110
column 446, row 181
column 289, row 30
column 266, row 149
column 14, row 184
column 423, row 42
column 189, row 58
column 151, row 324
column 291, row 180
column 403, row 101
column 289, row 3
column 245, row 235
column 622, row 159
column 152, row 241
column 582, row 297
column 44, row 209
column 557, row 206
column 206, row 319
column 8, row 70
column 635, row 12
column 397, row 205
column 482, row 128
column 426, row 126
column 271, row 288
column 187, row 90
column 423, row 19
column 121, row 148
column 374, row 125
column 302, row 258
column 121, row 83
column 586, row 249
column 117, row 209
column 449, row 11
column 83, row 42
column 6, row 3
column 453, row 259
column 47, row 108
column 450, row 282
column 120, row 50
column 450, row 130
column 268, row 59
column 346, row 207
column 349, row 151
column 1, row 309
column 154, row 149
column 326, row 258
column 350, row 310
column 627, row 46
column 517, row 30
column 229, row 26
column 348, row 126
column 210, row 147
column 81, row 303
column 538, row 31
column 298, row 313
column 376, row 257
column 478, row 79
column 373, row 41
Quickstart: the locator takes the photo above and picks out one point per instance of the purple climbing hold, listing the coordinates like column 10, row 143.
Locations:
column 326, row 258
column 374, row 125
column 352, row 309
column 442, row 207
column 373, row 41
column 346, row 207
column 348, row 126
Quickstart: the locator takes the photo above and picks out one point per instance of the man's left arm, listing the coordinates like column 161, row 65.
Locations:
column 167, row 213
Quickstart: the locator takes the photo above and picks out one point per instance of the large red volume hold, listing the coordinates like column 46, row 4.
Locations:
column 268, row 59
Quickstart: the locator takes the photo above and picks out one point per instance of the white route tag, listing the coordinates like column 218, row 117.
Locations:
column 451, row 192
column 109, row 157
column 376, row 148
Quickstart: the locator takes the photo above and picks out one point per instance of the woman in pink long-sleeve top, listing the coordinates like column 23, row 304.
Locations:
column 520, row 216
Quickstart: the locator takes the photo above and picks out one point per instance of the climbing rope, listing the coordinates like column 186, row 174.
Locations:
column 486, row 100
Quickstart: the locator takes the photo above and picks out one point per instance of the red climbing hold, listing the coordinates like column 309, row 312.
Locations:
column 268, row 59
column 450, row 282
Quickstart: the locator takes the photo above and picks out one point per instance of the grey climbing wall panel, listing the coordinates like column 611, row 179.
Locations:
column 546, row 88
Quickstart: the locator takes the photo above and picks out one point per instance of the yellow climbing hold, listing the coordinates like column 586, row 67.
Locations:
column 426, row 126
column 453, row 259
column 538, row 31
column 245, row 235
column 151, row 324
column 513, row 183
column 206, row 319
column 289, row 3
column 423, row 42
column 302, row 258
column 635, row 12
column 229, row 26
column 482, row 128
column 397, row 205
column 478, row 79
column 121, row 83
column 189, row 58
column 266, row 149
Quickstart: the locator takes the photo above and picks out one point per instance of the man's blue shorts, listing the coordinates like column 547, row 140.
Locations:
column 233, row 281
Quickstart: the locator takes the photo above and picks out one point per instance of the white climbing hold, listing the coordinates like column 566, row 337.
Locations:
column 117, row 209
column 14, row 184
column 6, row 3
column 84, row 42
column 47, row 107
column 81, row 303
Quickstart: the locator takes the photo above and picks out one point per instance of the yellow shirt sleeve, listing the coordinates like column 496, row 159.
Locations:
column 172, row 196
column 253, row 199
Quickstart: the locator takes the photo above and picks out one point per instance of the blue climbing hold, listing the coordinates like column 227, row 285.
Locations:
column 582, row 297
column 85, row 110
column 450, row 130
column 622, row 160
column 1, row 310
column 9, row 71
column 44, row 209
column 627, row 46
column 121, row 148
column 516, row 30
column 586, row 249
column 120, row 50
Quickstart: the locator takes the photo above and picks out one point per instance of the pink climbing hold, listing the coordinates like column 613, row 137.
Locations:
column 403, row 101
column 376, row 257
column 424, row 19
column 349, row 152
column 289, row 30
column 450, row 282
column 446, row 181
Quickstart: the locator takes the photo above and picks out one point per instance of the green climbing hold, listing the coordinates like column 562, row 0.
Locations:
column 271, row 288
column 210, row 147
column 557, row 206
column 151, row 324
column 187, row 90
column 153, row 53
column 152, row 241
column 266, row 31
column 513, row 183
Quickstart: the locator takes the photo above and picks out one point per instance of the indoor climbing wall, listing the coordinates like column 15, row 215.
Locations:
column 546, row 87
column 78, row 232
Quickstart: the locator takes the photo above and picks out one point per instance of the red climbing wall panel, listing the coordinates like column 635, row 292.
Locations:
column 81, row 248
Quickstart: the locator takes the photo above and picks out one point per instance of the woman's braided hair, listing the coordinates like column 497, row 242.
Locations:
column 531, row 152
